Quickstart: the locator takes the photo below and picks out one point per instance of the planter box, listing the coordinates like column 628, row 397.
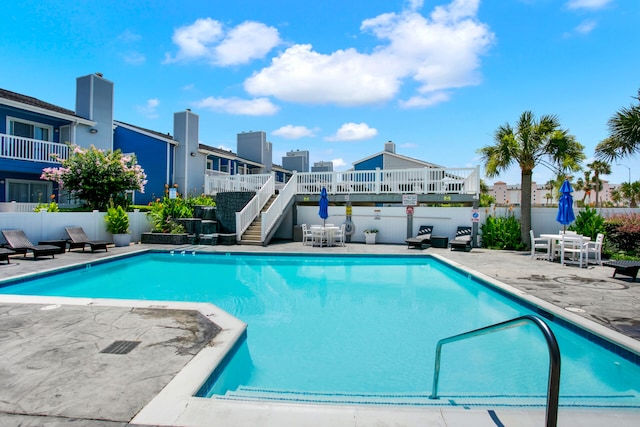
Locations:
column 370, row 238
column 164, row 238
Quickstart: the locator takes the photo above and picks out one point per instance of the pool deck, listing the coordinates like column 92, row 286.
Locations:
column 54, row 371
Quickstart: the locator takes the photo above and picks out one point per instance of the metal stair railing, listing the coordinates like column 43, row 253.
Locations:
column 553, row 388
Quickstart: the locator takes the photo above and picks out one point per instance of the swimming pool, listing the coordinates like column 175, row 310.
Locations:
column 361, row 329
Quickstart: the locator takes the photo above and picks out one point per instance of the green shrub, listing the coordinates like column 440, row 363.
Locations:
column 501, row 233
column 117, row 220
column 163, row 212
column 588, row 223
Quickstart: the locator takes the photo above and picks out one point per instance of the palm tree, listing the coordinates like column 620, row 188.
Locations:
column 624, row 134
column 529, row 144
column 599, row 168
column 585, row 186
column 631, row 191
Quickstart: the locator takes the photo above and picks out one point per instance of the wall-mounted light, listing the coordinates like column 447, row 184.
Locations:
column 193, row 154
column 93, row 130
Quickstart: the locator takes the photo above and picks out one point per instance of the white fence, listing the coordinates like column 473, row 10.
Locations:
column 50, row 225
column 214, row 184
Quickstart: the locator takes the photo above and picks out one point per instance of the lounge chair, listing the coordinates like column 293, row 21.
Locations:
column 4, row 254
column 79, row 239
column 462, row 240
column 19, row 242
column 422, row 240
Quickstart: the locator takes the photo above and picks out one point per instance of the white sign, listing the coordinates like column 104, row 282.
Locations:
column 409, row 200
column 475, row 215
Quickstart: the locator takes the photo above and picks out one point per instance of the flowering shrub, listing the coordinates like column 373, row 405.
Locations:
column 623, row 235
column 97, row 176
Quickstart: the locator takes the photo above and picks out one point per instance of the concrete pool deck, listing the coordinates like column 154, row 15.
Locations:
column 54, row 374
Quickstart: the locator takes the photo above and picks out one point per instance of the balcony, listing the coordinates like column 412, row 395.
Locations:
column 32, row 150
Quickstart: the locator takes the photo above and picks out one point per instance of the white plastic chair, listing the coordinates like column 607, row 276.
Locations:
column 594, row 248
column 572, row 245
column 339, row 235
column 307, row 235
column 540, row 244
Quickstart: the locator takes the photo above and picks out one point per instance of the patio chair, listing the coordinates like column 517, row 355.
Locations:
column 4, row 254
column 462, row 240
column 19, row 242
column 422, row 240
column 594, row 248
column 572, row 246
column 540, row 244
column 338, row 236
column 79, row 239
column 307, row 235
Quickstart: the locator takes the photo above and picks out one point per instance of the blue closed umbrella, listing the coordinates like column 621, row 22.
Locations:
column 565, row 205
column 324, row 205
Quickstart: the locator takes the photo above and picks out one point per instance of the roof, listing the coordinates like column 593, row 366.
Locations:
column 35, row 102
column 411, row 159
column 149, row 132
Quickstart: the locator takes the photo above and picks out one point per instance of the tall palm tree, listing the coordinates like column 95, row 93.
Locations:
column 624, row 134
column 586, row 186
column 631, row 191
column 530, row 143
column 599, row 167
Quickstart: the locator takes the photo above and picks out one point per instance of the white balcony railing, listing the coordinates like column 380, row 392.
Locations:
column 214, row 184
column 32, row 150
column 403, row 181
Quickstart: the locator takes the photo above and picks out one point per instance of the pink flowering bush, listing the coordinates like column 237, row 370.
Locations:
column 97, row 176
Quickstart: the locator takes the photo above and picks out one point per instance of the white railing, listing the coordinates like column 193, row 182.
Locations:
column 245, row 217
column 33, row 150
column 211, row 172
column 413, row 181
column 270, row 217
column 214, row 184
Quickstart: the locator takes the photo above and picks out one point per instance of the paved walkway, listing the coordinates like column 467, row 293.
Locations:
column 55, row 372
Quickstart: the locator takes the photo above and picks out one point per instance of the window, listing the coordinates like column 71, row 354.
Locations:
column 28, row 191
column 27, row 129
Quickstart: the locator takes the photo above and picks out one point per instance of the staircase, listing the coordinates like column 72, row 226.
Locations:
column 253, row 234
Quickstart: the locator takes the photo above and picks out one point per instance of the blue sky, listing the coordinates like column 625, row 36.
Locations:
column 339, row 78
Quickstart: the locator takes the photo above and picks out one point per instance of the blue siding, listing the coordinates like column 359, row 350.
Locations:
column 152, row 156
column 368, row 165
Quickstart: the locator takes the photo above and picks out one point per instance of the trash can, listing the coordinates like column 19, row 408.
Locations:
column 297, row 233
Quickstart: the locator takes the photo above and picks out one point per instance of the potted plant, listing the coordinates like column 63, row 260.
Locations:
column 118, row 225
column 370, row 236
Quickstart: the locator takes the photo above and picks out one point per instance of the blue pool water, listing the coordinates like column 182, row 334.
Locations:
column 360, row 328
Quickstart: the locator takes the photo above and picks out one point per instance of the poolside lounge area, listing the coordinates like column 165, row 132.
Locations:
column 51, row 392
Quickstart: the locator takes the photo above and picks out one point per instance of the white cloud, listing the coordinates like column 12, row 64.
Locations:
column 206, row 39
column 338, row 164
column 149, row 109
column 251, row 107
column 586, row 27
column 293, row 132
column 128, row 36
column 353, row 132
column 425, row 101
column 440, row 52
column 587, row 4
column 247, row 41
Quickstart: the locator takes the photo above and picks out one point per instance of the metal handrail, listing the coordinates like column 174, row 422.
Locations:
column 553, row 388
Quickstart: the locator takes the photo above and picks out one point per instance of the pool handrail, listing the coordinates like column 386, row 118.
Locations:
column 553, row 388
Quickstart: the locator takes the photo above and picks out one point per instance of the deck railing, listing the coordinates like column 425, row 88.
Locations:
column 270, row 217
column 214, row 184
column 245, row 217
column 412, row 181
column 33, row 150
column 397, row 181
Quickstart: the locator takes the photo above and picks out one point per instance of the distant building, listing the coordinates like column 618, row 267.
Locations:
column 505, row 194
column 296, row 161
column 322, row 167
